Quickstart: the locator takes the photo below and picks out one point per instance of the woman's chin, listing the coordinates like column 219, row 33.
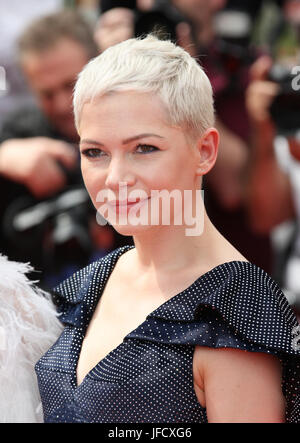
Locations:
column 131, row 230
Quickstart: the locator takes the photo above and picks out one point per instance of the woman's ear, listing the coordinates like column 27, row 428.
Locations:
column 207, row 146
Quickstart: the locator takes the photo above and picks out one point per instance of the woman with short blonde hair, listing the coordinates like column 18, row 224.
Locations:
column 179, row 327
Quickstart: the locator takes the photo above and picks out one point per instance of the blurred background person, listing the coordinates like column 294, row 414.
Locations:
column 45, row 215
column 115, row 24
column 15, row 16
column 273, row 102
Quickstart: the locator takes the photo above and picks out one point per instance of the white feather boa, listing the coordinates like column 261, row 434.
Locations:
column 29, row 325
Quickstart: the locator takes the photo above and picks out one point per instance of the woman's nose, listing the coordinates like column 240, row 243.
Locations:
column 119, row 174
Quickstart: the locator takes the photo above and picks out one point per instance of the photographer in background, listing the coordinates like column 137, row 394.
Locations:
column 273, row 191
column 123, row 19
column 46, row 217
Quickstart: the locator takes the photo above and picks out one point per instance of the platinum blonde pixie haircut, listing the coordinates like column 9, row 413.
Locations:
column 155, row 66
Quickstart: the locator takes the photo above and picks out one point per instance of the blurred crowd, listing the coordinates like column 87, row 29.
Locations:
column 250, row 51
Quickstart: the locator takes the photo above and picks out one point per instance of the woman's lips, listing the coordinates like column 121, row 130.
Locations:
column 125, row 206
column 122, row 203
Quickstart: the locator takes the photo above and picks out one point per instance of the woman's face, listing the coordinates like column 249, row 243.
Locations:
column 128, row 145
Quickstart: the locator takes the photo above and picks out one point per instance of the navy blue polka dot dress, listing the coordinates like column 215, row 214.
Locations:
column 149, row 377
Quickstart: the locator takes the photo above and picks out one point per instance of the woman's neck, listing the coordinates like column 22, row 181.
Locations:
column 168, row 249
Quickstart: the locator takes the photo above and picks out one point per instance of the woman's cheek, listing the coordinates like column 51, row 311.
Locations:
column 93, row 189
column 91, row 183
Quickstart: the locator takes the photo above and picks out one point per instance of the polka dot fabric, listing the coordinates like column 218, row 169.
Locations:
column 148, row 377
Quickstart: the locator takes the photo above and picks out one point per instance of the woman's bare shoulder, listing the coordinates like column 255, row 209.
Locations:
column 239, row 385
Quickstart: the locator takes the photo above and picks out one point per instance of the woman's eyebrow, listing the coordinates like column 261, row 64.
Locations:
column 124, row 142
column 136, row 137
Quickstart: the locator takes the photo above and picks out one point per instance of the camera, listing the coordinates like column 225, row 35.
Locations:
column 285, row 107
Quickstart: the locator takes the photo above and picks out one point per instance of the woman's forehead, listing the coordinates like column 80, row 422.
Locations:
column 125, row 108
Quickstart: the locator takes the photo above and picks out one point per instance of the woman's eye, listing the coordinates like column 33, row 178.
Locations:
column 93, row 153
column 144, row 149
